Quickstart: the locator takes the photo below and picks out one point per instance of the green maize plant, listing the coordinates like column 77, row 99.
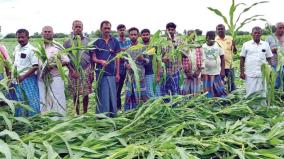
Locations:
column 186, row 127
column 235, row 21
column 269, row 78
column 234, row 25
column 159, row 42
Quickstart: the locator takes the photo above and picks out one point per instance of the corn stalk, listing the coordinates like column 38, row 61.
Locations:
column 233, row 20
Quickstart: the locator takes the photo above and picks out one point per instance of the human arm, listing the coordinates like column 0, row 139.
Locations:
column 242, row 67
column 234, row 47
column 222, row 73
column 117, row 76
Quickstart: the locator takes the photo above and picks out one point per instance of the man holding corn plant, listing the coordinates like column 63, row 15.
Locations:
column 254, row 53
column 50, row 83
column 107, row 70
column 135, row 95
column 152, row 86
column 228, row 46
column 26, row 64
column 172, row 59
column 81, row 74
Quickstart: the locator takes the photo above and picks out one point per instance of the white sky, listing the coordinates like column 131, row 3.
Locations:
column 152, row 14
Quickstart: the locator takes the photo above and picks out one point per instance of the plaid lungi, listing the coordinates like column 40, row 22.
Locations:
column 132, row 96
column 27, row 91
column 150, row 90
column 84, row 84
column 171, row 85
column 214, row 85
column 106, row 90
column 190, row 86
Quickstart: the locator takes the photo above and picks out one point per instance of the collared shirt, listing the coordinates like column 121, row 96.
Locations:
column 51, row 50
column 106, row 51
column 227, row 46
column 192, row 60
column 255, row 55
column 85, row 54
column 211, row 59
column 25, row 58
column 124, row 44
column 174, row 64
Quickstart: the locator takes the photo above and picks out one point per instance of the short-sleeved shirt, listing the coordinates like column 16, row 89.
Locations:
column 273, row 43
column 51, row 50
column 192, row 59
column 85, row 54
column 174, row 65
column 106, row 51
column 124, row 44
column 227, row 46
column 211, row 59
column 255, row 55
column 25, row 58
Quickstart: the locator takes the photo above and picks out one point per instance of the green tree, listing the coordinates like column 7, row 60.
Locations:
column 60, row 35
column 36, row 35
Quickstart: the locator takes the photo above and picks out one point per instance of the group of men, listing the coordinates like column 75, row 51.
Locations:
column 145, row 76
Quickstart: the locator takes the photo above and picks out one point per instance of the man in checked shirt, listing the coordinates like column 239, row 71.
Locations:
column 172, row 62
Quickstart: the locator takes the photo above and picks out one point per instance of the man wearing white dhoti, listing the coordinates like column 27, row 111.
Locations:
column 254, row 53
column 51, row 85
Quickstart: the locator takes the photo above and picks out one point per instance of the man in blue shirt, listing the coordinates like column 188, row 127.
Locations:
column 124, row 44
column 107, row 69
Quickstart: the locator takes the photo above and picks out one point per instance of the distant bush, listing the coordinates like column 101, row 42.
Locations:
column 60, row 35
column 10, row 35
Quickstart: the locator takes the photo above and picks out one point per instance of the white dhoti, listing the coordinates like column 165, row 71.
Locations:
column 255, row 84
column 52, row 97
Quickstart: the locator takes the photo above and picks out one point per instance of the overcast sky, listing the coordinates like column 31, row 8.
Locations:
column 152, row 14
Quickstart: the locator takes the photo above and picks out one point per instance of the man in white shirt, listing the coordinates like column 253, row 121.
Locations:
column 51, row 90
column 26, row 64
column 254, row 53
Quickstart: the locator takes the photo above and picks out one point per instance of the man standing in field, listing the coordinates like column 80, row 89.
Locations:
column 150, row 78
column 228, row 46
column 172, row 62
column 52, row 96
column 107, row 70
column 254, row 53
column 277, row 47
column 26, row 64
column 80, row 83
column 133, row 96
column 124, row 44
